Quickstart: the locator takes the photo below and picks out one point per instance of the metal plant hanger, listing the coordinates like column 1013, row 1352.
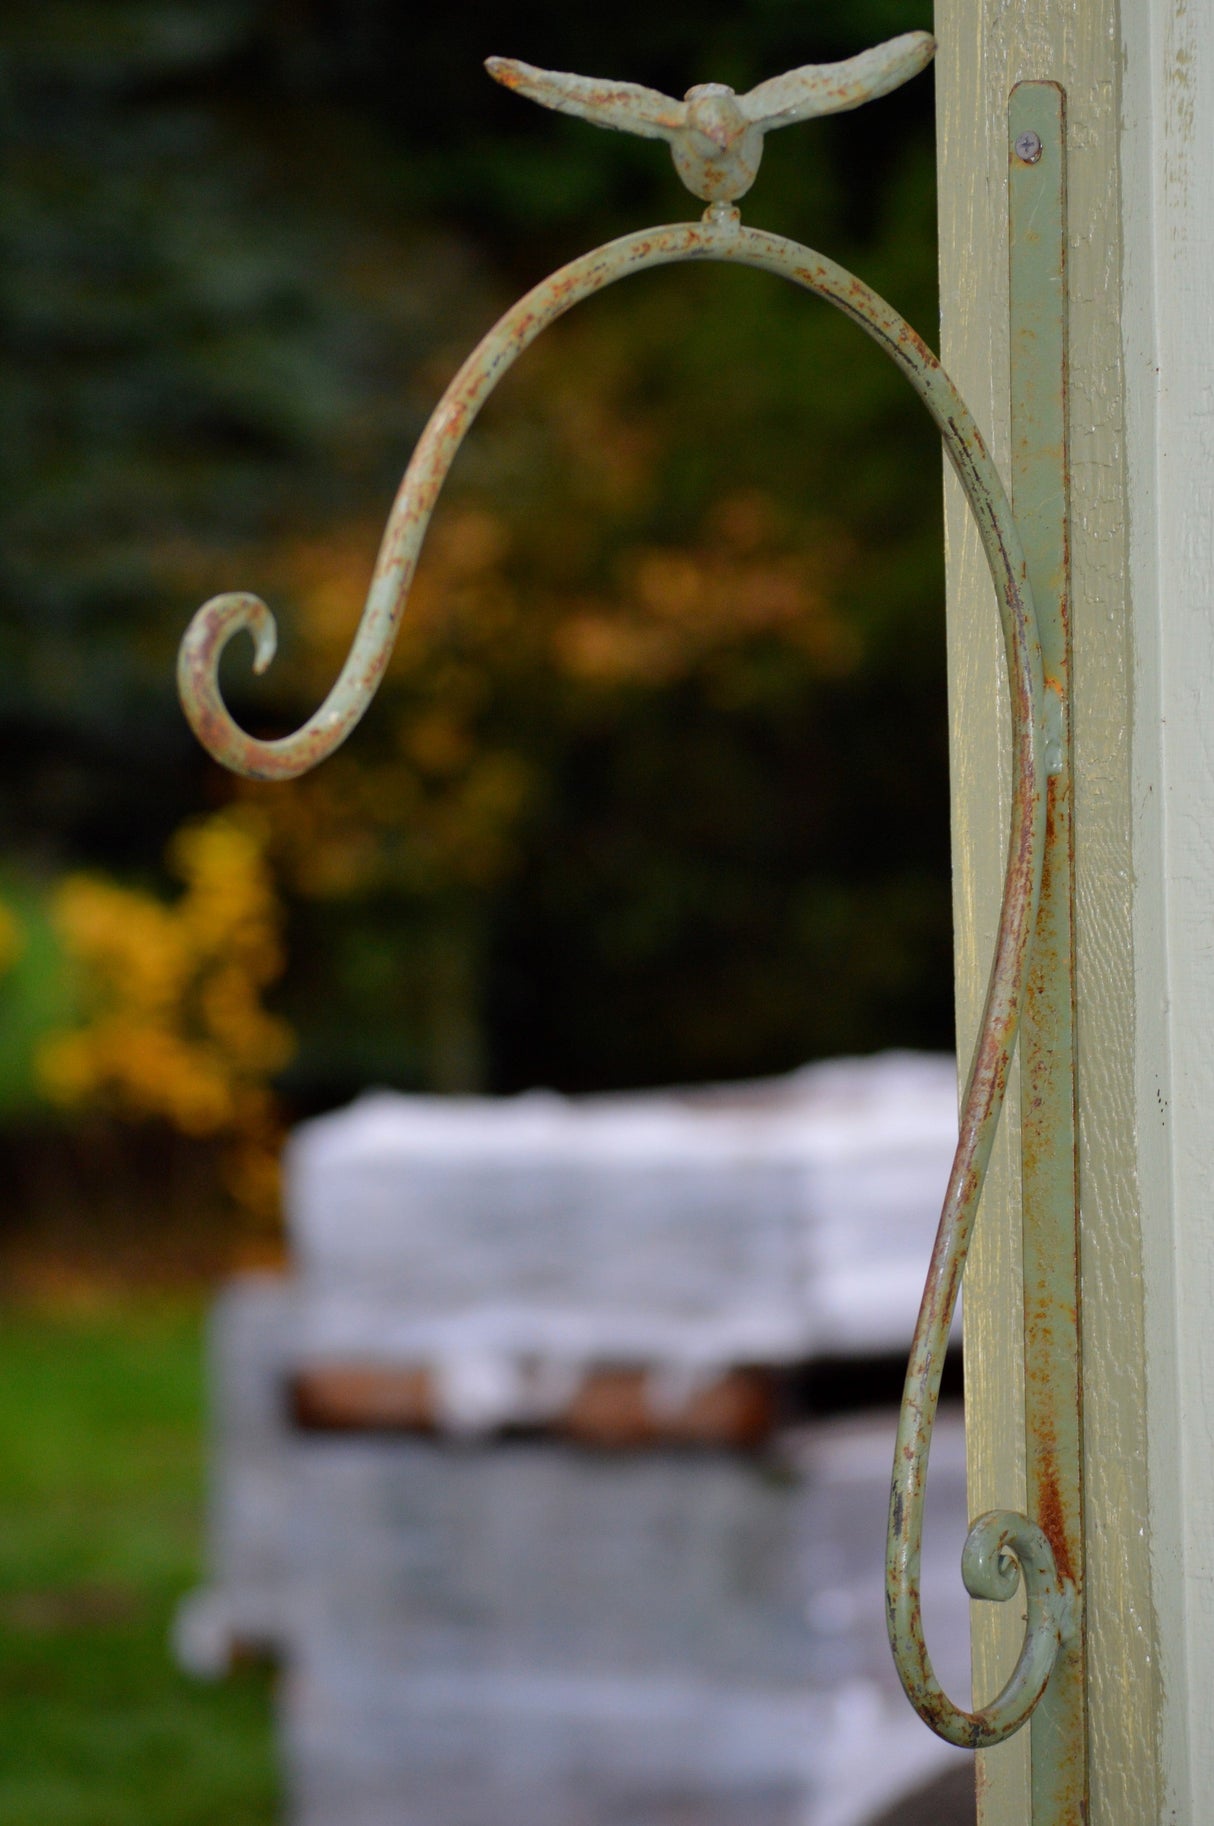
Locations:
column 716, row 141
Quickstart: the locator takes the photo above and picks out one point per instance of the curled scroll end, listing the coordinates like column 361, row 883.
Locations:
column 265, row 637
column 213, row 627
column 1000, row 1548
column 198, row 675
column 208, row 716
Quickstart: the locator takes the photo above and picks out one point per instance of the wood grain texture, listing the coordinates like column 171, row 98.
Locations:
column 1168, row 281
column 985, row 48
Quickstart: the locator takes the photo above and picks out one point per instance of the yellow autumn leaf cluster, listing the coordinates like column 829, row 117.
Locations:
column 172, row 1023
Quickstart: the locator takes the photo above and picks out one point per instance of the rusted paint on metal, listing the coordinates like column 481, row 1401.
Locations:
column 219, row 620
column 1047, row 1683
column 1049, row 1154
column 715, row 136
column 1002, row 1548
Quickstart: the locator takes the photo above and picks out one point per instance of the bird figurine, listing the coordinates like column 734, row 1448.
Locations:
column 716, row 137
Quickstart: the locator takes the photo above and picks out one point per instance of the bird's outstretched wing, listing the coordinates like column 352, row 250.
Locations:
column 832, row 88
column 623, row 105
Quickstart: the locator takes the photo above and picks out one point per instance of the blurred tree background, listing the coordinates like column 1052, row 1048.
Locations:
column 655, row 788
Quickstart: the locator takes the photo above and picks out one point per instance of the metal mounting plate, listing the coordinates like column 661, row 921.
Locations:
column 1040, row 488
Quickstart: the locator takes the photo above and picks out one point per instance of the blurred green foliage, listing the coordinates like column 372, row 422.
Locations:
column 35, row 992
column 100, row 1510
column 243, row 244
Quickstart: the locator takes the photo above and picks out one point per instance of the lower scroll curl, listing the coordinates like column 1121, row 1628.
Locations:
column 1001, row 1549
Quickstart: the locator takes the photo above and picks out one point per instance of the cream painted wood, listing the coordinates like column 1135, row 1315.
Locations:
column 1168, row 166
column 986, row 46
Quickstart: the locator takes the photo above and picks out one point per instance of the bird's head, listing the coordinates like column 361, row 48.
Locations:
column 713, row 111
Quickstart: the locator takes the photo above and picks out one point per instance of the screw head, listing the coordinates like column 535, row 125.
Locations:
column 1028, row 148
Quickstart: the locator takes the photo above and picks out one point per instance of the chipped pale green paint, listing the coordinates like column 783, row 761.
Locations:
column 1049, row 1168
column 715, row 136
column 720, row 169
column 1047, row 1681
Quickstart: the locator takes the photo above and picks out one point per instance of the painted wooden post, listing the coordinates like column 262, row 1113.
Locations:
column 1139, row 78
column 1167, row 159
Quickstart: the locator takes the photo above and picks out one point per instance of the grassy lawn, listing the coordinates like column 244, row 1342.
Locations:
column 100, row 1513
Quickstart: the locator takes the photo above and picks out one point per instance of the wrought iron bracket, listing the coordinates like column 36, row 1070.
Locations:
column 716, row 140
column 1047, row 1684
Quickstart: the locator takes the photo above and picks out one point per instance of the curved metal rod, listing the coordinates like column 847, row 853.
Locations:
column 997, row 1541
